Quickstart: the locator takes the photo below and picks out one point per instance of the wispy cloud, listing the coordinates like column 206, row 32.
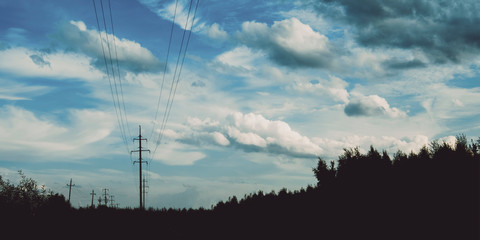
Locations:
column 48, row 141
column 14, row 91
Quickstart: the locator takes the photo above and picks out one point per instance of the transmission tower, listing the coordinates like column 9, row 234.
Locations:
column 93, row 194
column 112, row 201
column 140, row 150
column 105, row 196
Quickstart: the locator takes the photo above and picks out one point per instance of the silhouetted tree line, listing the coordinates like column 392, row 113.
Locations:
column 432, row 194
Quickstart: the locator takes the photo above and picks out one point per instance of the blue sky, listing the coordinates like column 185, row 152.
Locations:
column 266, row 87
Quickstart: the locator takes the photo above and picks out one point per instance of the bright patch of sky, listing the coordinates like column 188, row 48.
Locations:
column 266, row 87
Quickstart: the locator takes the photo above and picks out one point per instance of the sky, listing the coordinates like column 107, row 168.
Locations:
column 263, row 89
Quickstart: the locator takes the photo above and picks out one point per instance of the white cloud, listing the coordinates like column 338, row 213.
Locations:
column 240, row 57
column 18, row 61
column 372, row 105
column 131, row 55
column 250, row 132
column 220, row 139
column 216, row 32
column 167, row 11
column 248, row 138
column 288, row 42
column 334, row 88
column 334, row 147
column 177, row 154
column 47, row 141
column 14, row 91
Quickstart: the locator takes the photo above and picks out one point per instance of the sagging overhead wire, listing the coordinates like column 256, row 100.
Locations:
column 117, row 101
column 118, row 70
column 164, row 69
column 177, row 73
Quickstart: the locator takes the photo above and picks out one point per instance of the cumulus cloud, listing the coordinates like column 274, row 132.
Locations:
column 131, row 55
column 372, row 105
column 289, row 43
column 249, row 132
column 443, row 30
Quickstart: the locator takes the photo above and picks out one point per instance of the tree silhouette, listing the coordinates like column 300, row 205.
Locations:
column 429, row 194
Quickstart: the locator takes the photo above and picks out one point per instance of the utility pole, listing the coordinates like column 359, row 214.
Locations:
column 140, row 139
column 70, row 189
column 93, row 194
column 111, row 201
column 105, row 195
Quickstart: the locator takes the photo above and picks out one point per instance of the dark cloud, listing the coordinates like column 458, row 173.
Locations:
column 446, row 31
column 356, row 109
column 372, row 105
column 39, row 60
column 198, row 84
column 399, row 64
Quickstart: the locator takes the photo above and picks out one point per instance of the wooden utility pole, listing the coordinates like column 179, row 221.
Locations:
column 93, row 194
column 140, row 150
column 70, row 189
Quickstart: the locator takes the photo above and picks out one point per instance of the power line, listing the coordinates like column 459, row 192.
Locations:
column 113, row 70
column 165, row 68
column 118, row 70
column 173, row 87
column 108, row 77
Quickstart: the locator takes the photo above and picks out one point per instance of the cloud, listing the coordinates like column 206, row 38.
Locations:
column 443, row 30
column 333, row 88
column 14, row 91
column 47, row 141
column 334, row 147
column 371, row 105
column 248, row 132
column 288, row 43
column 131, row 55
column 216, row 32
column 240, row 58
column 39, row 60
column 57, row 65
column 180, row 10
column 178, row 154
column 16, row 35
column 408, row 64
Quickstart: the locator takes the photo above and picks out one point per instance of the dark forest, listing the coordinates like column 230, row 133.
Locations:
column 430, row 194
